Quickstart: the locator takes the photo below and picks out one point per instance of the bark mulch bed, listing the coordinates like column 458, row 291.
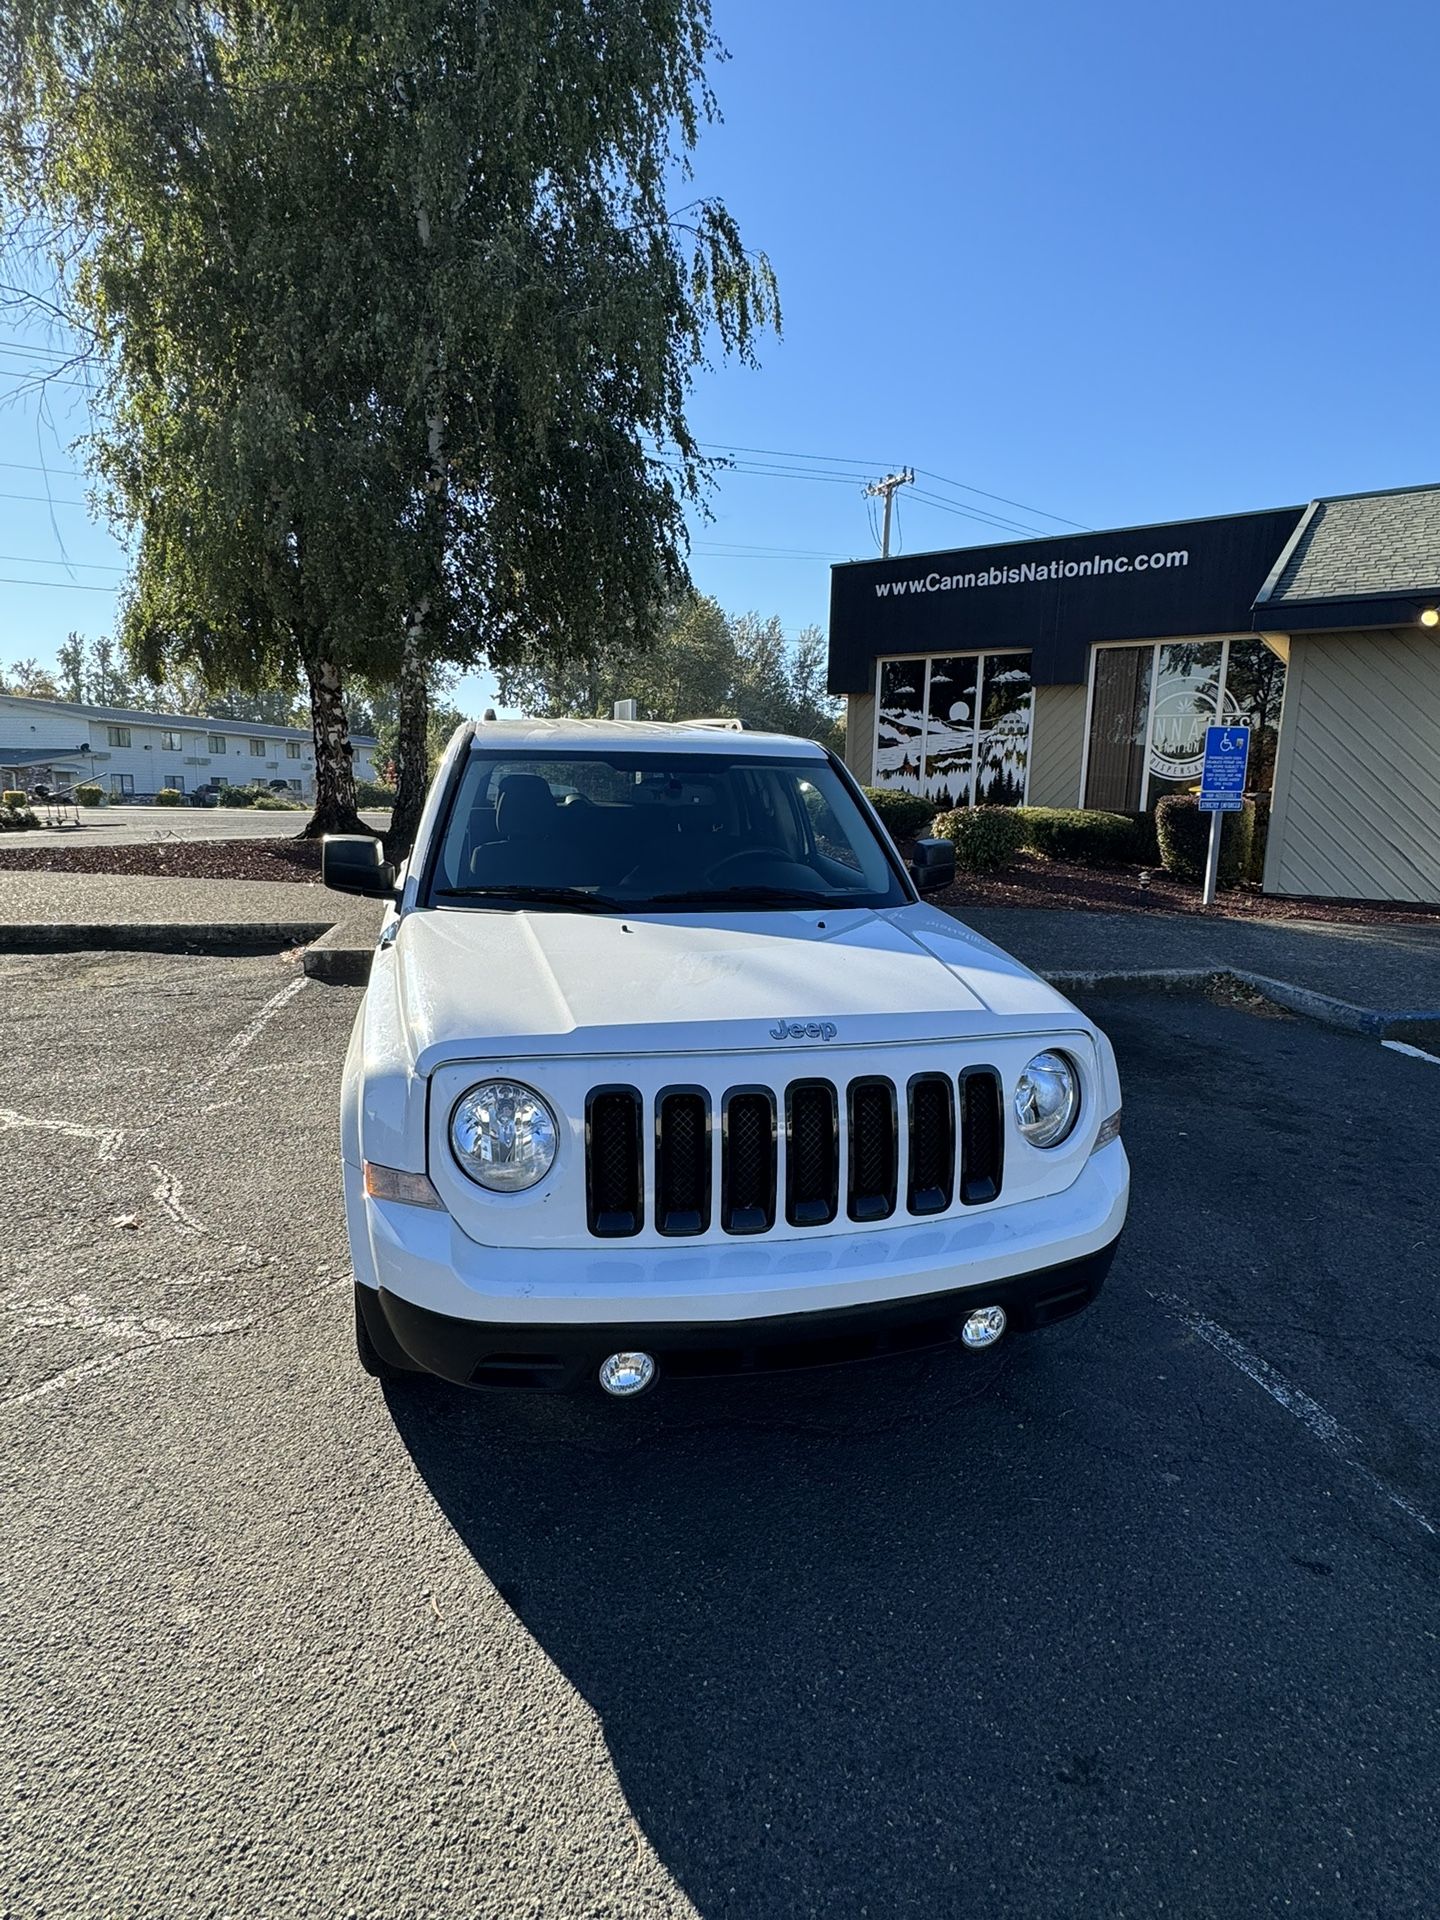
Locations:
column 292, row 860
column 1031, row 882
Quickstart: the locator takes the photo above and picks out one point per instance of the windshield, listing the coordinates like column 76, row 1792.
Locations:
column 631, row 831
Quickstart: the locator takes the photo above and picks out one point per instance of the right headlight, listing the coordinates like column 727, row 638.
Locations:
column 504, row 1135
column 1047, row 1099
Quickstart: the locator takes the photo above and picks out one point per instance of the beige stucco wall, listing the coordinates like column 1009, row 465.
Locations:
column 860, row 736
column 1357, row 775
column 1057, row 745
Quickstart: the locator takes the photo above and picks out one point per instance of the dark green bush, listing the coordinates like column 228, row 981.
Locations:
column 236, row 797
column 89, row 797
column 169, row 797
column 905, row 814
column 370, row 793
column 274, row 803
column 1090, row 839
column 986, row 838
column 1184, row 834
column 16, row 819
column 1145, row 844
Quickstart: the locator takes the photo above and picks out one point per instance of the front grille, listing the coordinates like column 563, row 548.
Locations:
column 948, row 1126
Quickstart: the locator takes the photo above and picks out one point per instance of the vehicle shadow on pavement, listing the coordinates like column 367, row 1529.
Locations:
column 939, row 1634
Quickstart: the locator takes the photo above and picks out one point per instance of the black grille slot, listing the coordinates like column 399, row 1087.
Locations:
column 982, row 1136
column 614, row 1177
column 682, row 1161
column 812, row 1165
column 872, row 1149
column 748, row 1161
column 932, row 1143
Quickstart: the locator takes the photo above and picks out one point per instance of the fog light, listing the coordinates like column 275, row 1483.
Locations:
column 627, row 1373
column 982, row 1328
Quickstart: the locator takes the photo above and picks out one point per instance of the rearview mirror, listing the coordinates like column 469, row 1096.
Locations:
column 932, row 863
column 356, row 863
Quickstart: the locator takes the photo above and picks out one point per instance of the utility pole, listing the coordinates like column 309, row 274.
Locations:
column 886, row 489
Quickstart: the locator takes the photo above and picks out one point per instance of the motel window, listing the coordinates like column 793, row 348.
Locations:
column 175, row 782
column 257, row 749
column 955, row 728
column 292, row 749
column 1150, row 706
column 122, row 783
column 118, row 736
column 170, row 741
column 216, row 743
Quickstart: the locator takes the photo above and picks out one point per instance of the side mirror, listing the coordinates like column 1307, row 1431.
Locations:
column 932, row 864
column 355, row 863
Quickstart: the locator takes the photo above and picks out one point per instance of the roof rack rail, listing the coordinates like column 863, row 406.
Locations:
column 725, row 725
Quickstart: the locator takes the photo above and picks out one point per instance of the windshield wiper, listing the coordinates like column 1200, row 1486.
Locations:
column 534, row 896
column 740, row 897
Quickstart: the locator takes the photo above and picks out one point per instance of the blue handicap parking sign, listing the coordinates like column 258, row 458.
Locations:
column 1222, row 783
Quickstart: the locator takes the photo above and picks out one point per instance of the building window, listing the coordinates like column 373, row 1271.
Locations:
column 122, row 783
column 1150, row 706
column 170, row 741
column 118, row 736
column 175, row 781
column 956, row 728
column 292, row 749
column 216, row 743
column 257, row 749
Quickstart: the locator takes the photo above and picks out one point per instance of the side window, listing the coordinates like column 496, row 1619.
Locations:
column 829, row 836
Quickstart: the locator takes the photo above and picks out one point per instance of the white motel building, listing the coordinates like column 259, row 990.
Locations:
column 131, row 756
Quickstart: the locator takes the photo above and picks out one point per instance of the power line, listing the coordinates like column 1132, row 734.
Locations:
column 90, row 566
column 965, row 487
column 66, row 586
column 45, row 500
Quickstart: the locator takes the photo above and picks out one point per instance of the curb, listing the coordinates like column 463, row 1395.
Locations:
column 160, row 937
column 1326, row 1011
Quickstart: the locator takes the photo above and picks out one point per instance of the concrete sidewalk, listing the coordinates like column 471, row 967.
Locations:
column 141, row 826
column 53, row 912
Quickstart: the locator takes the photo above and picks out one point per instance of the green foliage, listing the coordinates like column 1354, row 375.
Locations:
column 1259, row 837
column 89, row 797
column 28, row 680
column 169, row 797
column 16, row 819
column 1091, row 839
column 13, row 797
column 274, row 803
column 236, row 797
column 986, row 838
column 370, row 793
column 1184, row 834
column 701, row 664
column 905, row 814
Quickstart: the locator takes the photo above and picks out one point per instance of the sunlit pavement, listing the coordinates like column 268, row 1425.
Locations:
column 132, row 826
column 1132, row 1617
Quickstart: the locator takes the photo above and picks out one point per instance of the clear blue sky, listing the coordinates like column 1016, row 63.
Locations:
column 1121, row 262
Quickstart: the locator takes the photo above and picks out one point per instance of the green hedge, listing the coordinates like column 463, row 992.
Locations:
column 16, row 819
column 89, row 797
column 14, row 797
column 274, row 803
column 236, row 797
column 1090, row 839
column 905, row 814
column 1184, row 834
column 169, row 797
column 1259, row 838
column 986, row 838
column 369, row 793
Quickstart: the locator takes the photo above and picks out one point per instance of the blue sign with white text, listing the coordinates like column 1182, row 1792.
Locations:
column 1222, row 783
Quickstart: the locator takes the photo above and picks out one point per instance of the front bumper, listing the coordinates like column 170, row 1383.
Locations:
column 565, row 1358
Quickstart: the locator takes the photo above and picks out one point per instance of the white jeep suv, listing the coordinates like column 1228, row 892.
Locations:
column 666, row 1068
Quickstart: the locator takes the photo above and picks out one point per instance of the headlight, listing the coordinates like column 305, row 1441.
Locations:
column 504, row 1135
column 1047, row 1099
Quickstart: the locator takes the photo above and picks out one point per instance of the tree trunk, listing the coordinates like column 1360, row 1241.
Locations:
column 412, row 743
column 334, row 759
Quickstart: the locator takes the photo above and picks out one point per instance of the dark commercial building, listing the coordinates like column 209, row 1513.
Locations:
column 1082, row 672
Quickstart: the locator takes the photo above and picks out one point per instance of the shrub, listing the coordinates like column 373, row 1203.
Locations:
column 16, row 819
column 986, row 838
column 236, row 797
column 89, row 797
column 1090, row 839
column 905, row 814
column 169, row 797
column 273, row 803
column 369, row 793
column 1184, row 833
column 1259, row 839
column 13, row 797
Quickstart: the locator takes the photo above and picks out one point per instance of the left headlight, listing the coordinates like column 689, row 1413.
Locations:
column 1047, row 1099
column 503, row 1135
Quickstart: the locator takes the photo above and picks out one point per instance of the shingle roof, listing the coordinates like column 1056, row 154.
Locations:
column 193, row 722
column 1361, row 546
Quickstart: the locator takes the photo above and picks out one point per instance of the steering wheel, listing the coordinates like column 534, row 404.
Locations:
column 760, row 860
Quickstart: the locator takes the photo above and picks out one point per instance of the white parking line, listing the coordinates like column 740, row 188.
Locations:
column 108, row 1139
column 249, row 1035
column 1318, row 1421
column 1415, row 1053
column 166, row 1195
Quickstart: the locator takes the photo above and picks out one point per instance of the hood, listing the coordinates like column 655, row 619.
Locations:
column 486, row 985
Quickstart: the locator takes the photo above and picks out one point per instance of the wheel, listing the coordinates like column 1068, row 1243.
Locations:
column 380, row 1357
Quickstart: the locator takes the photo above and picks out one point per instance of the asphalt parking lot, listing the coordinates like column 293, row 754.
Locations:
column 137, row 826
column 1134, row 1617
